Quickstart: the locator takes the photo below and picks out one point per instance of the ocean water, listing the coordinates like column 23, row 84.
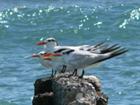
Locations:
column 71, row 22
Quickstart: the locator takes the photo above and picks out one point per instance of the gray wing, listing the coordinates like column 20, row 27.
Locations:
column 101, row 48
column 82, row 59
column 94, row 48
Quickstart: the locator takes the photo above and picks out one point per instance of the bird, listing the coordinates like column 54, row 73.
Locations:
column 73, row 58
column 47, row 62
column 51, row 45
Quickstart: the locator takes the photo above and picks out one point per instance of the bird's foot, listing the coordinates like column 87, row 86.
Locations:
column 63, row 69
column 81, row 76
column 53, row 74
column 74, row 73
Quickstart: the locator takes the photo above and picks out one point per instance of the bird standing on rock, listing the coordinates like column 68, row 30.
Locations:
column 73, row 58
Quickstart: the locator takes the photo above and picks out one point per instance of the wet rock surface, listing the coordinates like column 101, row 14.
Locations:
column 65, row 90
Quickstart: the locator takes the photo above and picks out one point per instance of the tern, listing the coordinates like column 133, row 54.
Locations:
column 71, row 58
column 47, row 62
column 51, row 45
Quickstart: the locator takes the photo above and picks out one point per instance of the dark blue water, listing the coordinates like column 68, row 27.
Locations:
column 24, row 22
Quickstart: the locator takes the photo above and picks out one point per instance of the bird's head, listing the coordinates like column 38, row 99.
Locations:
column 49, row 42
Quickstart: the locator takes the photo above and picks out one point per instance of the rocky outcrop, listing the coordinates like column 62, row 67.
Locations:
column 65, row 90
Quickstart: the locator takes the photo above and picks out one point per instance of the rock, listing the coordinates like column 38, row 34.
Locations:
column 43, row 94
column 65, row 90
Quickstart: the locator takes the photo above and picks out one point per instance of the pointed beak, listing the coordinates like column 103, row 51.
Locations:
column 35, row 55
column 48, row 56
column 41, row 43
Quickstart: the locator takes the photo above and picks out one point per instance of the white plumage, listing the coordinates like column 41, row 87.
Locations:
column 76, row 57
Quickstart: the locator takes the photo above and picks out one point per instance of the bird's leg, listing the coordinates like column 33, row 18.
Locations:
column 74, row 73
column 52, row 73
column 63, row 69
column 55, row 72
column 81, row 76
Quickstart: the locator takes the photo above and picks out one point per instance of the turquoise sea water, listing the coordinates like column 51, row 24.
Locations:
column 73, row 22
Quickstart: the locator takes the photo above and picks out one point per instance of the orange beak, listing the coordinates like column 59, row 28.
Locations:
column 41, row 43
column 49, row 56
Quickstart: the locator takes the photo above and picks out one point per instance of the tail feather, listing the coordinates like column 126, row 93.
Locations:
column 113, row 54
column 110, row 49
column 99, row 44
column 114, row 45
column 118, row 52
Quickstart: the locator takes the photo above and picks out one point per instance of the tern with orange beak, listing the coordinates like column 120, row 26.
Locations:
column 78, row 57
